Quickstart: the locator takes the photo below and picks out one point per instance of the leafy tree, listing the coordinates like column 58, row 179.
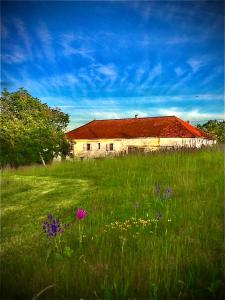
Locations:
column 215, row 128
column 31, row 131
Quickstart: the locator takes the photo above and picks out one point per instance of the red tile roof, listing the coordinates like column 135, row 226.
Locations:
column 136, row 127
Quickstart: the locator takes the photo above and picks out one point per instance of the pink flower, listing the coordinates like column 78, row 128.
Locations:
column 81, row 214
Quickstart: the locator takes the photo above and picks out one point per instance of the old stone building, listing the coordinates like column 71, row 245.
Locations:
column 120, row 136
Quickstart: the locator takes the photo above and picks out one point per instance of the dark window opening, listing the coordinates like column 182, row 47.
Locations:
column 111, row 147
column 71, row 146
column 88, row 147
column 99, row 146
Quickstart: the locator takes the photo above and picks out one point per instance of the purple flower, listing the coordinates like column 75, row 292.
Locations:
column 81, row 214
column 44, row 226
column 52, row 227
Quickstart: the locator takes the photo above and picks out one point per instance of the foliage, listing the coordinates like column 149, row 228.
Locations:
column 30, row 130
column 215, row 128
column 154, row 230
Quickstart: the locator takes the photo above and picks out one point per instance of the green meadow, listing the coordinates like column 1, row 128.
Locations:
column 154, row 228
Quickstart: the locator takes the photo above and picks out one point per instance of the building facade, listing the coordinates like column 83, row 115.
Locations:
column 101, row 138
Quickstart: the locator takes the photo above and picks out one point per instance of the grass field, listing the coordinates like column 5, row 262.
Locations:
column 154, row 229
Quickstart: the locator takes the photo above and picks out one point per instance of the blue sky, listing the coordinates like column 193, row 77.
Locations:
column 113, row 59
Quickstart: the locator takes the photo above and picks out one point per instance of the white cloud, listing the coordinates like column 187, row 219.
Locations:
column 195, row 64
column 140, row 73
column 144, row 9
column 65, row 80
column 156, row 71
column 147, row 40
column 16, row 56
column 153, row 74
column 86, row 78
column 109, row 71
column 217, row 71
column 86, row 109
column 105, row 115
column 22, row 32
column 67, row 41
column 46, row 41
column 193, row 115
column 182, row 81
column 179, row 71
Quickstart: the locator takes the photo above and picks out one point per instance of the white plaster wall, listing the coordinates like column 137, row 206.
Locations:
column 177, row 142
column 185, row 142
column 121, row 145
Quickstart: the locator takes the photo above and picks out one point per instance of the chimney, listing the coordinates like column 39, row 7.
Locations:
column 188, row 121
column 136, row 116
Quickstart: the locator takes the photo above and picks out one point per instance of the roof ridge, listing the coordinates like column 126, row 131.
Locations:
column 138, row 118
column 190, row 127
column 160, row 126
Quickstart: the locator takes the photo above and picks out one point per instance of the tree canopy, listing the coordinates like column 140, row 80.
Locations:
column 30, row 130
column 215, row 128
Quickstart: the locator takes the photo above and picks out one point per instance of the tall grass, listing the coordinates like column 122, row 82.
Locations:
column 178, row 256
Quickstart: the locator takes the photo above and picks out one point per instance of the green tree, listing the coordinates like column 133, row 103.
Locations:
column 215, row 128
column 31, row 131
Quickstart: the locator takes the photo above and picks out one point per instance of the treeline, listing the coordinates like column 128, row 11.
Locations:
column 31, row 131
column 215, row 128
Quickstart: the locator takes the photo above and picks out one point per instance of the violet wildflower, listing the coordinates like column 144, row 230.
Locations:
column 81, row 214
column 52, row 227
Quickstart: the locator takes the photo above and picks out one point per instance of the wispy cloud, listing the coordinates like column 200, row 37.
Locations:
column 179, row 71
column 16, row 56
column 109, row 71
column 87, row 109
column 194, row 115
column 144, row 9
column 63, row 80
column 153, row 74
column 217, row 72
column 67, row 42
column 23, row 33
column 46, row 41
column 156, row 71
column 195, row 64
column 139, row 74
column 83, row 75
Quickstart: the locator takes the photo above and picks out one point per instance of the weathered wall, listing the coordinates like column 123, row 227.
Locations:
column 184, row 142
column 122, row 145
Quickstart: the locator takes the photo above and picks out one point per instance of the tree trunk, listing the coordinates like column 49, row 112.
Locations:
column 42, row 159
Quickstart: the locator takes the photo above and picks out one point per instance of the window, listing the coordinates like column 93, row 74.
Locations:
column 109, row 147
column 86, row 147
column 99, row 146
